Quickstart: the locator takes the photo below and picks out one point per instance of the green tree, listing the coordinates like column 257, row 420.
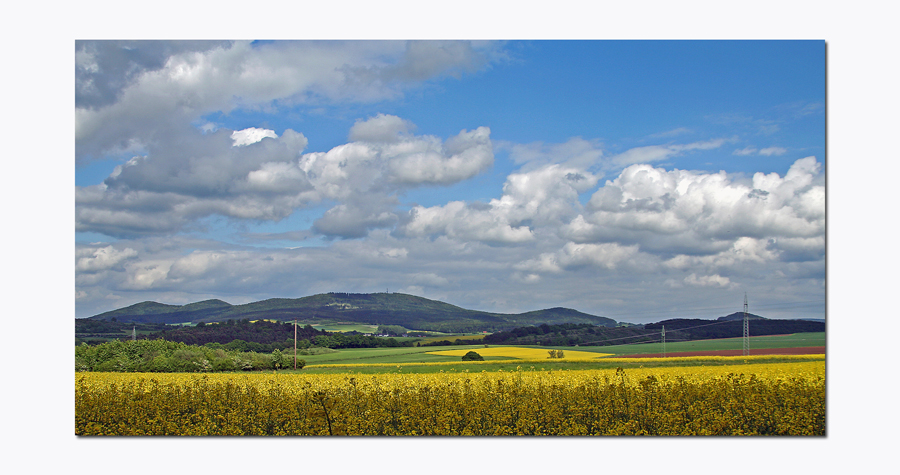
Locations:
column 279, row 360
column 556, row 353
column 472, row 356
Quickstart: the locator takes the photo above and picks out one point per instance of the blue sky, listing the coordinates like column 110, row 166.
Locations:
column 639, row 180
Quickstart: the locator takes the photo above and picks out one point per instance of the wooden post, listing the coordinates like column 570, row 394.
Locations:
column 295, row 343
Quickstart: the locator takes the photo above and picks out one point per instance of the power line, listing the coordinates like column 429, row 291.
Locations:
column 663, row 341
column 655, row 335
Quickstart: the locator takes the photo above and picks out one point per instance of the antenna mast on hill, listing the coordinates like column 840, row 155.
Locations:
column 746, row 328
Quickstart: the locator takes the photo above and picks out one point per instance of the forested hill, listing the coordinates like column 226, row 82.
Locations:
column 697, row 329
column 679, row 329
column 409, row 311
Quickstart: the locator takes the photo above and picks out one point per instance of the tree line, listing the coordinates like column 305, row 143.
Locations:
column 566, row 334
column 585, row 334
column 175, row 357
column 697, row 329
column 259, row 336
column 260, row 331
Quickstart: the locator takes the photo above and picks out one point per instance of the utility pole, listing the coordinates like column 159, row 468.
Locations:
column 295, row 343
column 663, row 341
column 746, row 328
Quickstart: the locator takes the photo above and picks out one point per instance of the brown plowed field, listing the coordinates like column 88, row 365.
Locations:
column 808, row 350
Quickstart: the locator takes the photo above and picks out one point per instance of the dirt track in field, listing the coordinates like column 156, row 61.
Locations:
column 808, row 350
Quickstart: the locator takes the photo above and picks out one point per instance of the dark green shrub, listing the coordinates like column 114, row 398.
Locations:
column 223, row 364
column 260, row 361
column 472, row 356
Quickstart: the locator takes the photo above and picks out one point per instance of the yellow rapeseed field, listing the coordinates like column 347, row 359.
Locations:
column 521, row 353
column 752, row 399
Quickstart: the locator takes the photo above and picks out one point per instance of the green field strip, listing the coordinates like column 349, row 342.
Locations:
column 407, row 355
column 796, row 340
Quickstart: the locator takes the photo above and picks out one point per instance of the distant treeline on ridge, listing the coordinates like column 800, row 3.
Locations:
column 572, row 334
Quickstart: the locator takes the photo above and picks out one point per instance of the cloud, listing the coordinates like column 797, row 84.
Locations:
column 526, row 278
column 129, row 100
column 96, row 259
column 357, row 217
column 147, row 275
column 672, row 133
column 104, row 68
column 425, row 162
column 656, row 153
column 463, row 222
column 586, row 261
column 253, row 174
column 423, row 60
column 714, row 280
column 381, row 128
column 800, row 249
column 396, row 162
column 365, row 176
column 769, row 151
column 574, row 153
column 295, row 236
column 429, row 279
column 546, row 196
column 251, row 136
column 558, row 224
column 697, row 213
column 607, row 255
column 194, row 175
column 750, row 124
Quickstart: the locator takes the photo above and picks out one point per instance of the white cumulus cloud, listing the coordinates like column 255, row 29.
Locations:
column 251, row 135
column 101, row 258
column 547, row 196
column 460, row 221
column 699, row 212
column 255, row 174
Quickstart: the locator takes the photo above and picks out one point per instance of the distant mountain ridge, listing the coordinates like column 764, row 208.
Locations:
column 379, row 308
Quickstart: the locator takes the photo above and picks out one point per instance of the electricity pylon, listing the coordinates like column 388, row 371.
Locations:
column 746, row 328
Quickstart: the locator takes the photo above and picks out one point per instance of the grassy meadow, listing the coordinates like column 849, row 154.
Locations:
column 795, row 340
column 433, row 359
column 346, row 327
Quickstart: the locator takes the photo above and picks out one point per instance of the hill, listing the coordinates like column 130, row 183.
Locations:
column 409, row 311
column 153, row 312
column 679, row 329
column 698, row 329
column 740, row 317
